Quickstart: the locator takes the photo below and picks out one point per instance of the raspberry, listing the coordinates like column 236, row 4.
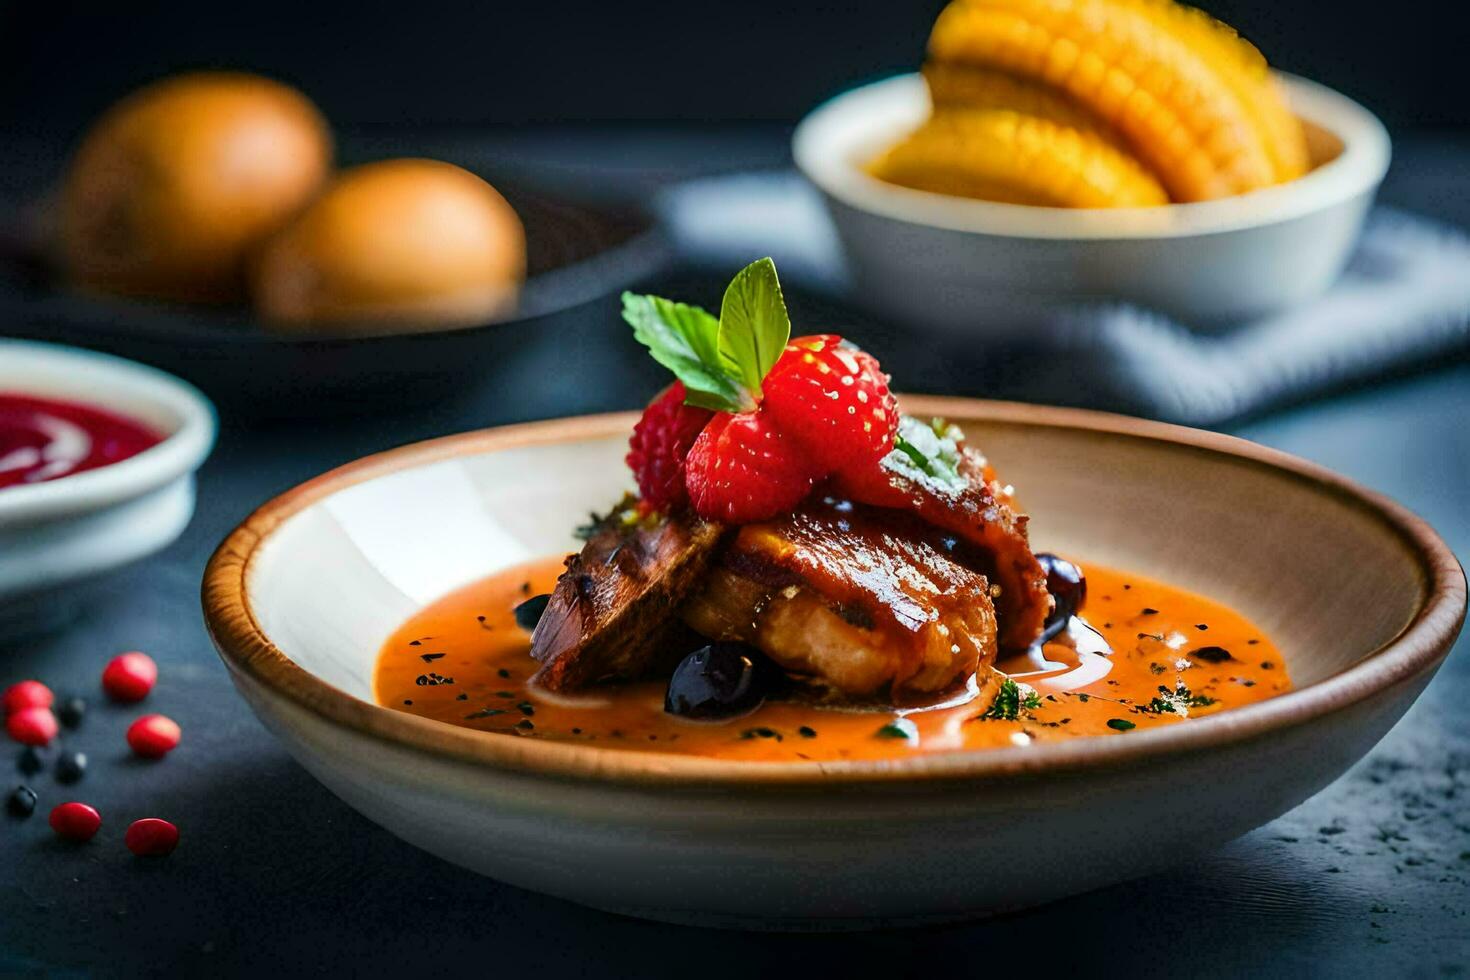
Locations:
column 743, row 469
column 834, row 401
column 660, row 442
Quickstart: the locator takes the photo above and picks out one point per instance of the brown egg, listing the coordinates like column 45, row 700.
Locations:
column 175, row 184
column 406, row 244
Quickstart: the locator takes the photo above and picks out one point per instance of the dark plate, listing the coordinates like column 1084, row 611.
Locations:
column 578, row 252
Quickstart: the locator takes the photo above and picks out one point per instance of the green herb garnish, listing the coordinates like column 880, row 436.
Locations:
column 1011, row 700
column 1177, row 701
column 622, row 517
column 899, row 728
column 928, row 452
column 1121, row 724
column 721, row 361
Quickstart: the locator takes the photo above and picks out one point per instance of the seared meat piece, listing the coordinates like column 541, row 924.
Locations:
column 893, row 596
column 864, row 600
column 985, row 518
column 612, row 615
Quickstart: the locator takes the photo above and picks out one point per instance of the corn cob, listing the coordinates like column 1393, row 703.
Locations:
column 954, row 86
column 1004, row 155
column 1205, row 122
column 1241, row 65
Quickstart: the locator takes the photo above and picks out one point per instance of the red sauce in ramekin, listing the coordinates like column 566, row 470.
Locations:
column 44, row 439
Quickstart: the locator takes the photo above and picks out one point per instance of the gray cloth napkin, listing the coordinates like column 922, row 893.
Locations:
column 1404, row 300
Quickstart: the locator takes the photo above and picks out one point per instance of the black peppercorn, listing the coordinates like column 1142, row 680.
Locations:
column 71, row 767
column 31, row 760
column 21, row 803
column 71, row 712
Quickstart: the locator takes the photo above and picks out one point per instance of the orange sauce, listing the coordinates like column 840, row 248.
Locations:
column 1137, row 649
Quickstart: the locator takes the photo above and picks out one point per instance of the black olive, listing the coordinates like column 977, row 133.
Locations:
column 71, row 768
column 528, row 613
column 721, row 680
column 1068, row 588
column 71, row 711
column 21, row 802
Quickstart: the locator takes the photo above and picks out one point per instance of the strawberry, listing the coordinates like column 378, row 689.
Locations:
column 787, row 412
column 872, row 484
column 660, row 441
column 833, row 400
column 743, row 469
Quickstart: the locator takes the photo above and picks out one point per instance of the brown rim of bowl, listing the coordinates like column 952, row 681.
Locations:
column 247, row 651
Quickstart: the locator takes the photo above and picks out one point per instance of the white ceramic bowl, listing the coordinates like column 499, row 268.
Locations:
column 55, row 533
column 968, row 265
column 1363, row 599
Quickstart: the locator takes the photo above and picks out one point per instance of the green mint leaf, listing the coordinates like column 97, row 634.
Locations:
column 754, row 325
column 686, row 340
column 721, row 361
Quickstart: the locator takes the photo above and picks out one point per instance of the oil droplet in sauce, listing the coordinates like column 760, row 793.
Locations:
column 1139, row 654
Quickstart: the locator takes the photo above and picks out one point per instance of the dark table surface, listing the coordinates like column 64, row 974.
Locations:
column 274, row 873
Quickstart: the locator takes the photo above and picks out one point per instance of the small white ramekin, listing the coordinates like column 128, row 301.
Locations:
column 58, row 532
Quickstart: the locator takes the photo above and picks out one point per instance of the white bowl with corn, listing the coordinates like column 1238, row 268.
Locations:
column 1056, row 153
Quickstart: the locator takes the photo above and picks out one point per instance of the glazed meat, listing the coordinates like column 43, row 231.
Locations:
column 906, row 594
column 612, row 615
column 985, row 518
column 864, row 600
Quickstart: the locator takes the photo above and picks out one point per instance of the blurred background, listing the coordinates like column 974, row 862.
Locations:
column 438, row 65
column 617, row 103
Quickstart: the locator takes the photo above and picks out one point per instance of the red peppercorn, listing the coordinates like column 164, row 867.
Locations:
column 76, row 821
column 151, row 837
column 153, row 736
column 32, row 726
column 129, row 676
column 26, row 694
